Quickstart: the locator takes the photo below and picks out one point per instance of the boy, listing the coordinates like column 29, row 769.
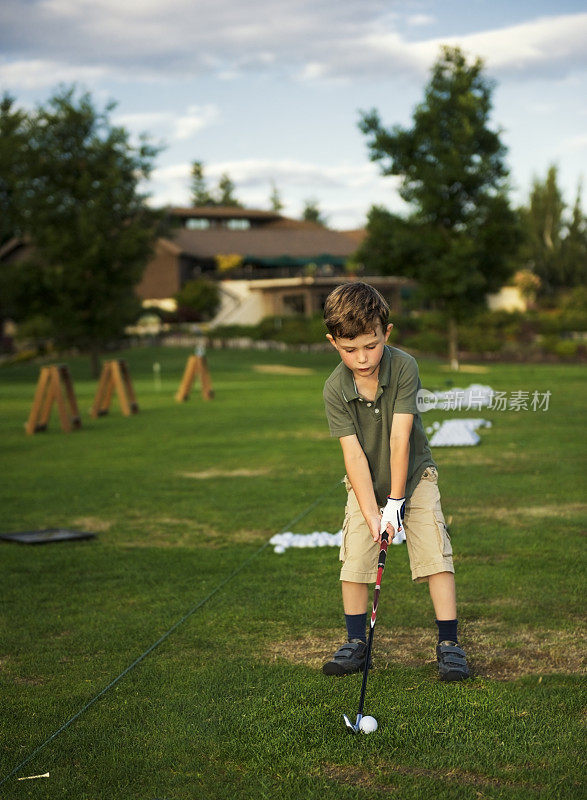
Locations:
column 370, row 401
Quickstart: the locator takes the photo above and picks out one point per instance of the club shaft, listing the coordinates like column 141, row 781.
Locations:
column 381, row 567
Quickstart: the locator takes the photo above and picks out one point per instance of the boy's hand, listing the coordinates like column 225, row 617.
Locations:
column 374, row 523
column 393, row 516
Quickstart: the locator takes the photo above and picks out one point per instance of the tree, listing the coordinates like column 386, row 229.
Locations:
column 554, row 247
column 87, row 221
column 312, row 213
column 459, row 237
column 542, row 225
column 574, row 248
column 199, row 194
column 197, row 300
column 225, row 192
column 12, row 167
column 275, row 199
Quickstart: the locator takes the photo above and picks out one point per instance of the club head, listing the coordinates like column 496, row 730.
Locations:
column 349, row 725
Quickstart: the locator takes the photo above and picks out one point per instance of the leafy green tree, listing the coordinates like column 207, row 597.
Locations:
column 197, row 300
column 87, row 221
column 199, row 194
column 460, row 234
column 312, row 213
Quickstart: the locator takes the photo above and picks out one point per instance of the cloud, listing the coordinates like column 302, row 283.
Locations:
column 39, row 73
column 197, row 118
column 176, row 127
column 295, row 180
column 420, row 20
column 575, row 143
column 155, row 40
column 518, row 49
column 547, row 40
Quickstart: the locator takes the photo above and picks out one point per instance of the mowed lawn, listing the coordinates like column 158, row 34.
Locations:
column 232, row 704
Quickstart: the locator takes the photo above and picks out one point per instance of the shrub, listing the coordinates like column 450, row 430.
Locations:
column 197, row 301
column 426, row 342
column 481, row 340
column 563, row 348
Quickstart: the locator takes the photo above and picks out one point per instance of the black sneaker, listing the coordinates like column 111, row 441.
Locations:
column 452, row 662
column 348, row 659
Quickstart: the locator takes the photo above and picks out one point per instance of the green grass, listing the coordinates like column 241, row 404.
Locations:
column 233, row 704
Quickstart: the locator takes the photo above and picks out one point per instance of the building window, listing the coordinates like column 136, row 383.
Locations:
column 238, row 224
column 197, row 224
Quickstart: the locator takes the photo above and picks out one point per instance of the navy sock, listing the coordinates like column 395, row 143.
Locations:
column 447, row 630
column 355, row 626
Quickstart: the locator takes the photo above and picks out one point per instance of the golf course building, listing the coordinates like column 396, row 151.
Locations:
column 264, row 263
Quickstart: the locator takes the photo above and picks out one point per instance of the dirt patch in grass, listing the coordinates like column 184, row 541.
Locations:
column 362, row 776
column 564, row 510
column 493, row 652
column 224, row 473
column 168, row 532
column 282, row 369
column 93, row 524
column 508, row 654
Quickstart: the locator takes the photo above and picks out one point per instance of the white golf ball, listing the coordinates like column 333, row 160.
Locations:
column 368, row 725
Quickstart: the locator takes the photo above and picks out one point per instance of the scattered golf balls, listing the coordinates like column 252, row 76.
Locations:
column 368, row 725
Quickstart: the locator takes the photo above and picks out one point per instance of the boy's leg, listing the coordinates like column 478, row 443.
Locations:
column 430, row 554
column 443, row 595
column 355, row 597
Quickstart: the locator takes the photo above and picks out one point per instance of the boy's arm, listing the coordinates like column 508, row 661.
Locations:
column 359, row 474
column 399, row 453
column 399, row 446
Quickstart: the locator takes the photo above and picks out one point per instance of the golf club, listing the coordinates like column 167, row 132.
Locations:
column 380, row 567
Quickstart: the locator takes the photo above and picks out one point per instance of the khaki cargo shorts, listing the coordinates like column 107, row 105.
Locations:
column 427, row 538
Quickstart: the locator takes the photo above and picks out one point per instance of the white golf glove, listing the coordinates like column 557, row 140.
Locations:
column 394, row 513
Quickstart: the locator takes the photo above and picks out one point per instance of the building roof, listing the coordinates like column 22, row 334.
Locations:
column 223, row 212
column 281, row 238
column 358, row 235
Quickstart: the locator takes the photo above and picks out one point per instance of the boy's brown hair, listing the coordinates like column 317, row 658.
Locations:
column 354, row 309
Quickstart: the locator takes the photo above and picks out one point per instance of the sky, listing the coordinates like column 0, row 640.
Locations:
column 271, row 91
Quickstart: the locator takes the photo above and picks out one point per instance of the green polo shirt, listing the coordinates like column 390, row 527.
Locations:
column 348, row 413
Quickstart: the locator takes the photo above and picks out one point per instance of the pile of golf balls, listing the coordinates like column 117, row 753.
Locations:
column 282, row 541
column 368, row 725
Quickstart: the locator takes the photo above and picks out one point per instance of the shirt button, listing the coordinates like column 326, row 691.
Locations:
column 369, row 405
column 377, row 411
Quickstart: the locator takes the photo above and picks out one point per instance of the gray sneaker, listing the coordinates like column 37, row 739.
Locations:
column 348, row 659
column 452, row 662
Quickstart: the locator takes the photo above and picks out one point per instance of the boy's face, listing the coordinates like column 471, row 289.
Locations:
column 363, row 353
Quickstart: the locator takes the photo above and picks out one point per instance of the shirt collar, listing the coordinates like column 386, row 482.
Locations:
column 349, row 390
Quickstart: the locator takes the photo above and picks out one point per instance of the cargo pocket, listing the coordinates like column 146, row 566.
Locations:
column 443, row 534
